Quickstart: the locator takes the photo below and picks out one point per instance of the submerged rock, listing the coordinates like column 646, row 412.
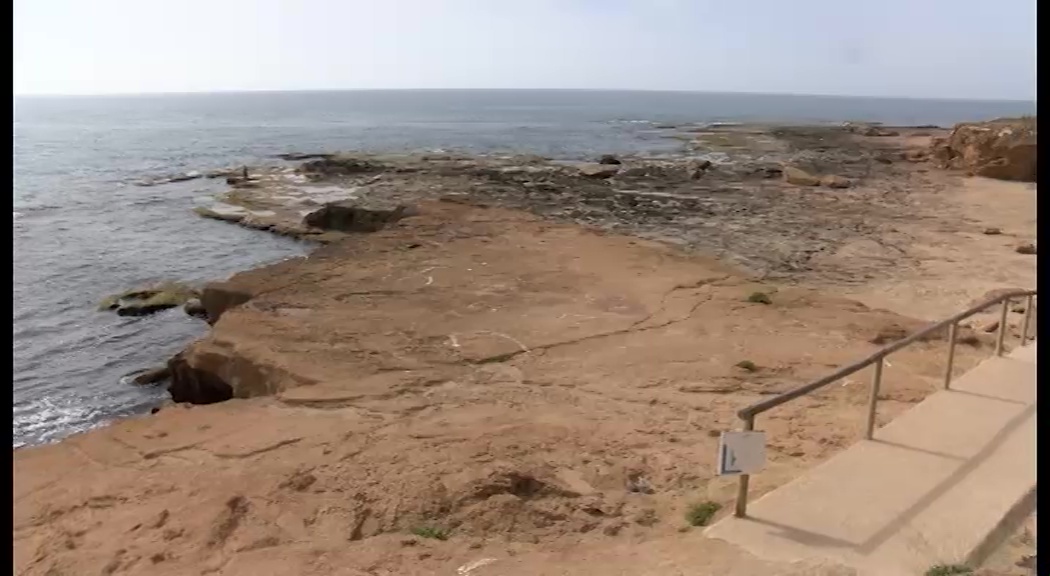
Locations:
column 609, row 159
column 152, row 376
column 223, row 212
column 293, row 156
column 195, row 308
column 145, row 301
column 192, row 175
column 221, row 173
column 186, row 177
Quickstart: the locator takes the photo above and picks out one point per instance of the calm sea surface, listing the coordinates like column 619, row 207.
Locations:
column 82, row 231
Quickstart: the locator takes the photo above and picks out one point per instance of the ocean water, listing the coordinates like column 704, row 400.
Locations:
column 82, row 231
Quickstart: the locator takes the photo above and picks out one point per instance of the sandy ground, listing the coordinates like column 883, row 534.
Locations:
column 548, row 397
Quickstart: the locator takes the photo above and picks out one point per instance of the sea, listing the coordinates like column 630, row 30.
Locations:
column 83, row 230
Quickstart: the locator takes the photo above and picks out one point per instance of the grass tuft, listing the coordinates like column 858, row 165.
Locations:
column 432, row 532
column 700, row 514
column 948, row 570
column 759, row 298
column 747, row 365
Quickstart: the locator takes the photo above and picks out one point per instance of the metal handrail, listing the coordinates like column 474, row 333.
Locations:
column 748, row 413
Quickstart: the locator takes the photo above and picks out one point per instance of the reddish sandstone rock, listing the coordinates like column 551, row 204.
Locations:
column 800, row 177
column 218, row 297
column 195, row 385
column 1003, row 149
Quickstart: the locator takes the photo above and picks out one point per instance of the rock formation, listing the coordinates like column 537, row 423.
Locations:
column 599, row 170
column 1003, row 149
column 145, row 301
column 352, row 216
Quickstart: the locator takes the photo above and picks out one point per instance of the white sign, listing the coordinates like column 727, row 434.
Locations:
column 741, row 453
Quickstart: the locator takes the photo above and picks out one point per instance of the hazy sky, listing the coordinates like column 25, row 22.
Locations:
column 920, row 48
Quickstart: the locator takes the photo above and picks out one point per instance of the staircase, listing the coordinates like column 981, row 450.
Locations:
column 944, row 483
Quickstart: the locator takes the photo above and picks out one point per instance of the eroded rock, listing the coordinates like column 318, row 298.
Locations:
column 216, row 369
column 195, row 385
column 152, row 376
column 799, row 177
column 1003, row 149
column 599, row 170
column 218, row 297
column 356, row 216
column 833, row 181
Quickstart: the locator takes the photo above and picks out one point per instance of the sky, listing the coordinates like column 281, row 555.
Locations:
column 974, row 49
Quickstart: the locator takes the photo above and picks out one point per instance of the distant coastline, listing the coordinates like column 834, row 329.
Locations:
column 236, row 92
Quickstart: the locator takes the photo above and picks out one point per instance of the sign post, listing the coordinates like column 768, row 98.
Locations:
column 741, row 452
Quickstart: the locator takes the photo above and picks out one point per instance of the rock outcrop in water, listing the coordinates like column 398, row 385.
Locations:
column 145, row 301
column 1003, row 149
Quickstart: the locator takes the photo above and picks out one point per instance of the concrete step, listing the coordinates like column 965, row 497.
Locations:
column 938, row 485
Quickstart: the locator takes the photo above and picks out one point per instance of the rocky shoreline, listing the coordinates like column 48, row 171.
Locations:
column 488, row 361
column 772, row 201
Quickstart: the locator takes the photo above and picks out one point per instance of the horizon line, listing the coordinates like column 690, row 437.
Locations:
column 16, row 95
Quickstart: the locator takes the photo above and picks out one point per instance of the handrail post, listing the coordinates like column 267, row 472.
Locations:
column 951, row 354
column 1027, row 319
column 1002, row 327
column 876, row 383
column 741, row 491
